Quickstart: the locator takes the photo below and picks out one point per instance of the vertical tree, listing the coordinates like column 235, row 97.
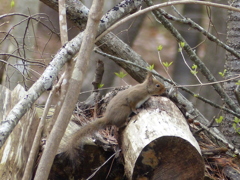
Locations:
column 232, row 65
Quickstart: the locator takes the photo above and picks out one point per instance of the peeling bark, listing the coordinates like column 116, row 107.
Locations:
column 14, row 154
column 158, row 142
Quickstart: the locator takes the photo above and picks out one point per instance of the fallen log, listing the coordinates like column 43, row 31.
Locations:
column 158, row 144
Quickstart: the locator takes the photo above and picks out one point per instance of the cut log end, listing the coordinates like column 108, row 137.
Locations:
column 169, row 157
column 158, row 144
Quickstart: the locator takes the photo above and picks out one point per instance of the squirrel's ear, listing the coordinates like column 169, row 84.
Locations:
column 149, row 76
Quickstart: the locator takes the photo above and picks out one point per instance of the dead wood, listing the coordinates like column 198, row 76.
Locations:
column 158, row 144
column 14, row 154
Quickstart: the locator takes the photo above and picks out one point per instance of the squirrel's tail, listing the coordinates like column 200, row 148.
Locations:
column 74, row 146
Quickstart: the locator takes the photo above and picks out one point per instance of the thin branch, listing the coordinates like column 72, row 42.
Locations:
column 78, row 75
column 38, row 135
column 194, row 25
column 68, row 68
column 26, row 19
column 157, row 6
column 211, row 83
column 63, row 21
column 23, row 59
column 237, row 93
column 24, row 37
column 183, row 87
column 185, row 62
column 66, row 53
column 36, row 143
column 7, row 63
column 97, row 169
column 165, row 68
column 205, row 71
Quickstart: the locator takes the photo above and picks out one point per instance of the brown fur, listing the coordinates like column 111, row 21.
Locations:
column 117, row 111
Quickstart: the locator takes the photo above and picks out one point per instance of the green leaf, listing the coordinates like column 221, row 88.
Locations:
column 219, row 120
column 150, row 67
column 12, row 4
column 194, row 66
column 238, row 83
column 195, row 95
column 159, row 48
column 234, row 126
column 100, row 85
column 182, row 44
column 166, row 64
column 194, row 69
column 223, row 73
column 120, row 74
column 194, row 72
column 236, row 120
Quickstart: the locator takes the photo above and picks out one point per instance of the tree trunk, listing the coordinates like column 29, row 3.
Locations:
column 233, row 67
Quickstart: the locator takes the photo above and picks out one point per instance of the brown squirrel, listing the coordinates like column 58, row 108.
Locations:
column 117, row 111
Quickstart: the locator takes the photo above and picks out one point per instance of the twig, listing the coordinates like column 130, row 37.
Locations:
column 185, row 62
column 66, row 53
column 63, row 21
column 178, row 86
column 157, row 6
column 237, row 93
column 69, row 65
column 205, row 71
column 194, row 25
column 23, row 59
column 97, row 81
column 27, row 18
column 37, row 140
column 165, row 68
column 103, row 164
column 224, row 141
column 211, row 83
column 56, row 88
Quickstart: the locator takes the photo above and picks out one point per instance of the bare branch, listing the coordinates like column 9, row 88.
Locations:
column 73, row 90
column 194, row 25
column 157, row 6
column 63, row 21
column 183, row 87
column 34, row 17
column 46, row 80
column 205, row 71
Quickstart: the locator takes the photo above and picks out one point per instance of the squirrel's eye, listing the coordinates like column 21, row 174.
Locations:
column 157, row 85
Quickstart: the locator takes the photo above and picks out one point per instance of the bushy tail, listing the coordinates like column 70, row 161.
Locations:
column 74, row 147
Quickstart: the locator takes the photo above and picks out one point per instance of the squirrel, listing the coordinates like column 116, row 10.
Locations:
column 117, row 112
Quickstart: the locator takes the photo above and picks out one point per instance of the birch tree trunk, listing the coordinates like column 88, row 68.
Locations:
column 157, row 142
column 232, row 65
